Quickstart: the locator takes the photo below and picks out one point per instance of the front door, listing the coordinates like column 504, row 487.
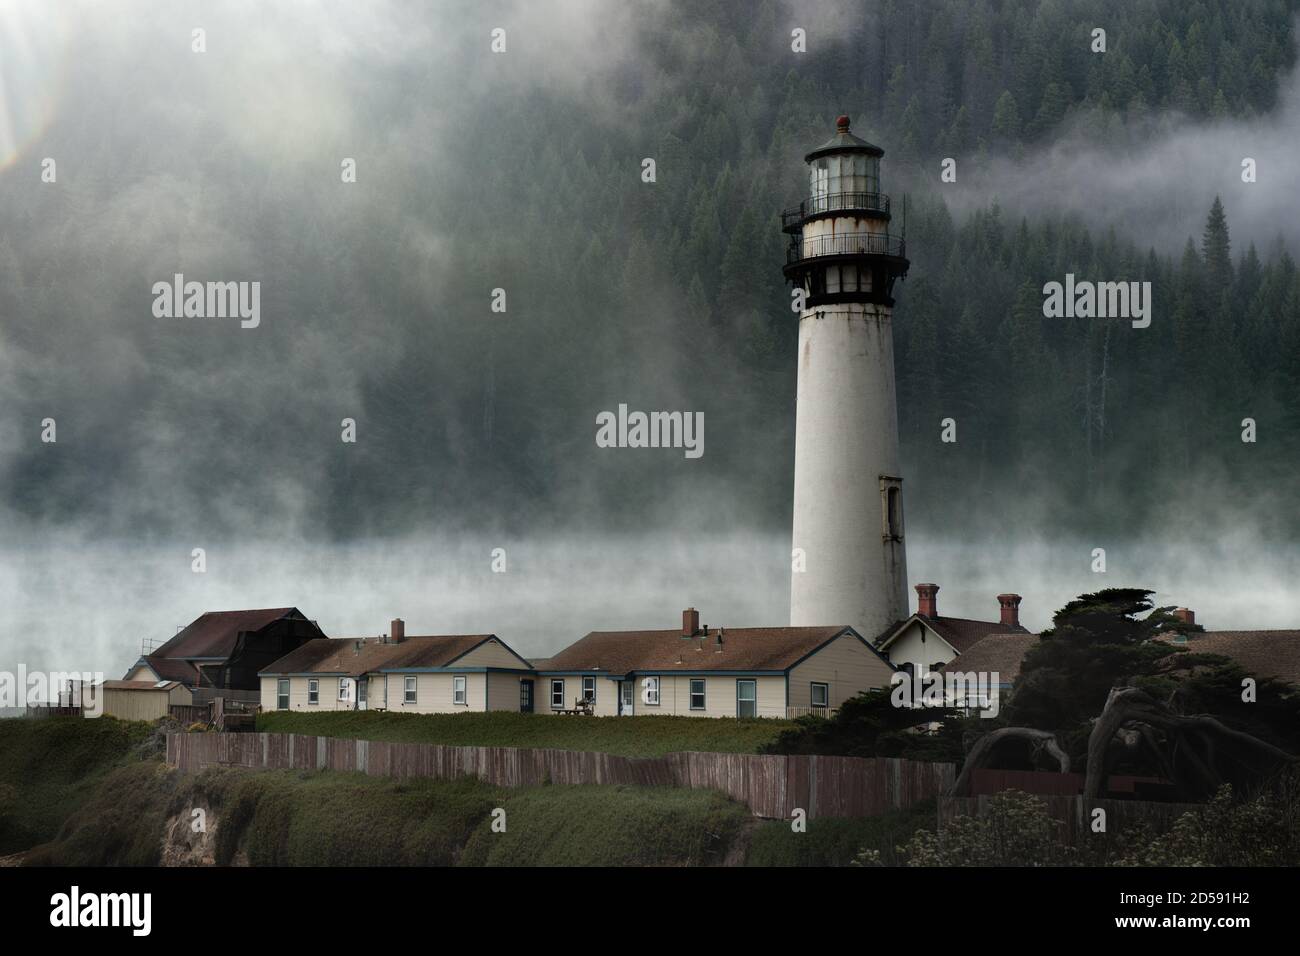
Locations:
column 525, row 697
column 626, row 695
column 361, row 693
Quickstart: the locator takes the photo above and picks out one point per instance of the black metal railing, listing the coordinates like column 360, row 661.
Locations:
column 834, row 202
column 850, row 244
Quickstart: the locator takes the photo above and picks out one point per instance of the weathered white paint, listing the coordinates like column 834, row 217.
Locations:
column 846, row 440
column 920, row 647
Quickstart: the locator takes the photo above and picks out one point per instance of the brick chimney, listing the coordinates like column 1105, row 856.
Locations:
column 1010, row 609
column 927, row 601
column 1186, row 615
column 690, row 622
column 398, row 630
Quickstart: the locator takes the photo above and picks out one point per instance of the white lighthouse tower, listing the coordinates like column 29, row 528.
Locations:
column 850, row 566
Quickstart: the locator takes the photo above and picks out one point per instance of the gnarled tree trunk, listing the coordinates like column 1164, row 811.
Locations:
column 980, row 753
column 1194, row 737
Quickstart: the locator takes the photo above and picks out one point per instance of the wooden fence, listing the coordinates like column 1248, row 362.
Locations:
column 190, row 713
column 206, row 695
column 986, row 781
column 771, row 786
column 50, row 710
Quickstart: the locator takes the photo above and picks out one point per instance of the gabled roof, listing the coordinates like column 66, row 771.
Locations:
column 357, row 656
column 1001, row 653
column 169, row 669
column 438, row 651
column 743, row 649
column 1260, row 653
column 961, row 633
column 214, row 633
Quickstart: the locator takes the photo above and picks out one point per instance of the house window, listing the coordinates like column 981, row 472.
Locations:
column 313, row 691
column 458, row 690
column 557, row 693
column 589, row 689
column 408, row 690
column 650, row 691
column 282, row 694
column 820, row 695
column 697, row 693
column 345, row 688
column 746, row 698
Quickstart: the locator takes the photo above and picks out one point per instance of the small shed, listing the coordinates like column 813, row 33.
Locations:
column 136, row 699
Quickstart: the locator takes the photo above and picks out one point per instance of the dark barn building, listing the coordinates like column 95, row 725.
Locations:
column 224, row 650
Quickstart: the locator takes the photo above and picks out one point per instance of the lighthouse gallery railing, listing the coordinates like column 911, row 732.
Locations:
column 834, row 202
column 850, row 244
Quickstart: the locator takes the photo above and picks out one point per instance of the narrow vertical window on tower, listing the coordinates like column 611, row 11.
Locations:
column 891, row 508
column 820, row 185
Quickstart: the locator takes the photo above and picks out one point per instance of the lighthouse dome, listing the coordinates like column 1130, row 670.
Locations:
column 844, row 142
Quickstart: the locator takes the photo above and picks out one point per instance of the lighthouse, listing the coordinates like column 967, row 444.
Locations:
column 849, row 562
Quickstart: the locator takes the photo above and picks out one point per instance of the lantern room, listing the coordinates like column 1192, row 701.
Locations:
column 841, row 248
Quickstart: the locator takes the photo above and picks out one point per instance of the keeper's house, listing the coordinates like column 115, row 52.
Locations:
column 691, row 671
column 727, row 672
column 419, row 675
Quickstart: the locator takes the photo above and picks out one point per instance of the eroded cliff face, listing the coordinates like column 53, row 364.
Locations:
column 190, row 838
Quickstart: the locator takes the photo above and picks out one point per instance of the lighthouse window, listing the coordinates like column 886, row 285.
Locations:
column 820, row 178
column 891, row 506
column 895, row 522
column 832, row 278
column 849, row 279
column 872, row 178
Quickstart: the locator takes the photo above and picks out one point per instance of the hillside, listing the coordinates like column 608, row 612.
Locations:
column 50, row 768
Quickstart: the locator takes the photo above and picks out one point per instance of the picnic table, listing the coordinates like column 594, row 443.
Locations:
column 585, row 707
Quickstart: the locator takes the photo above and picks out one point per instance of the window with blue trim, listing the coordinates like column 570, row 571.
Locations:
column 697, row 693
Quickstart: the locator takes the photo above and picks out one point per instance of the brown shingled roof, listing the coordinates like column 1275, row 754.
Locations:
column 169, row 669
column 1260, row 653
column 1001, row 653
column 963, row 633
column 743, row 649
column 357, row 656
column 214, row 633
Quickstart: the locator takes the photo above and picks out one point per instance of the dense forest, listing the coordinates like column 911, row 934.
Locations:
column 662, row 295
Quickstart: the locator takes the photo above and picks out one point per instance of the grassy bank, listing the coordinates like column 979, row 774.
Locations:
column 290, row 818
column 49, row 768
column 93, row 792
column 627, row 736
column 832, row 842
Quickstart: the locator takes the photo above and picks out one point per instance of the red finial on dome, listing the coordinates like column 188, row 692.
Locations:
column 842, row 124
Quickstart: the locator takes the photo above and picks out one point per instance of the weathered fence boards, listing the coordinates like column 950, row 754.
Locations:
column 771, row 786
column 1074, row 814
